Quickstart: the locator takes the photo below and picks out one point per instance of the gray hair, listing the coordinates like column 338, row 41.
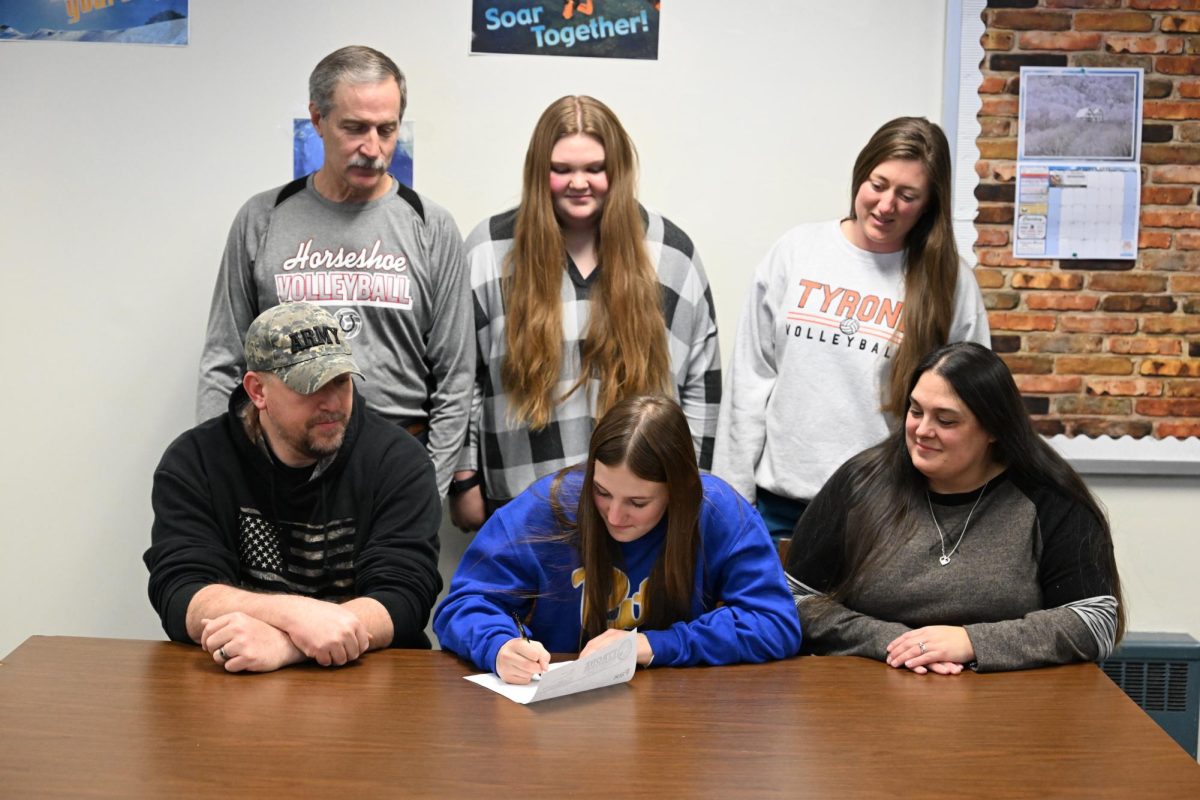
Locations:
column 353, row 64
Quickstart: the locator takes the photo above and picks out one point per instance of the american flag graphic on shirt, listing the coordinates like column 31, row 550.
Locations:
column 296, row 557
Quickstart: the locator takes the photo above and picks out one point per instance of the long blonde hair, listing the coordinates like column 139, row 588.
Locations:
column 625, row 344
column 931, row 260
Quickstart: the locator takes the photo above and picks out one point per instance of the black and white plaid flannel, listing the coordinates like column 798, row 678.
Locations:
column 512, row 456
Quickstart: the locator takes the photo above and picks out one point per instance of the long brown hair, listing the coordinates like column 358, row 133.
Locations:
column 649, row 436
column 931, row 258
column 886, row 492
column 625, row 345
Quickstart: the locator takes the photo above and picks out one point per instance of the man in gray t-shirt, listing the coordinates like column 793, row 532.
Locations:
column 385, row 261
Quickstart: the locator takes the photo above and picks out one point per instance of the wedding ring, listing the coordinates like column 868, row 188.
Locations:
column 225, row 656
column 922, row 646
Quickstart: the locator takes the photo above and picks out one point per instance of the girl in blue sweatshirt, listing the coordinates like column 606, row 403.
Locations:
column 635, row 537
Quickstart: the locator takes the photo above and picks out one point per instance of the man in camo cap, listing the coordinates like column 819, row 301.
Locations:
column 300, row 349
column 302, row 344
column 299, row 524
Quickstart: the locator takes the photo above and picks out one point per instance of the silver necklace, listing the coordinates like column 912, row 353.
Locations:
column 945, row 558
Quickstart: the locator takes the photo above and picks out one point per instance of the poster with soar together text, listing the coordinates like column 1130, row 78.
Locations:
column 595, row 28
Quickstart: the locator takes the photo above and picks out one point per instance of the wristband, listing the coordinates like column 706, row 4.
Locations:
column 457, row 487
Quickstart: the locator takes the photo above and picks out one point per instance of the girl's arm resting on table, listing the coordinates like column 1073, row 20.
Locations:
column 494, row 575
column 755, row 620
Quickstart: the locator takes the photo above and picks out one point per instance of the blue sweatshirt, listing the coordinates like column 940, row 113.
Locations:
column 741, row 607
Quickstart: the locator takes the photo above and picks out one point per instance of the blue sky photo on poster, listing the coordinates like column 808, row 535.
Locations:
column 308, row 151
column 595, row 28
column 119, row 21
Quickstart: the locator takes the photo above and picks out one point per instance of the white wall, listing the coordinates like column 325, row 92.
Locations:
column 124, row 165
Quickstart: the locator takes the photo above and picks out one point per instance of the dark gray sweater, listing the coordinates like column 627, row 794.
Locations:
column 1027, row 581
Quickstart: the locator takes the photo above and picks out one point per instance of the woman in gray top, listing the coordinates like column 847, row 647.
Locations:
column 961, row 540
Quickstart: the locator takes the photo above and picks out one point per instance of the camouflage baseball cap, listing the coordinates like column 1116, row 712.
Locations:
column 301, row 344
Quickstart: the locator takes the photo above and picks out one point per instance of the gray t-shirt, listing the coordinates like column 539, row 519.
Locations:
column 391, row 271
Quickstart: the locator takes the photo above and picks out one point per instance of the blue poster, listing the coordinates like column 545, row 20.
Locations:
column 596, row 28
column 120, row 21
column 308, row 151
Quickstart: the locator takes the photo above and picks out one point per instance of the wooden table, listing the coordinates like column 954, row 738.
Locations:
column 117, row 718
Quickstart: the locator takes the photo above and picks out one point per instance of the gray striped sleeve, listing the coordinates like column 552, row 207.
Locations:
column 800, row 591
column 1099, row 614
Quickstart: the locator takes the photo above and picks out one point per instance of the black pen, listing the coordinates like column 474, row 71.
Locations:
column 520, row 628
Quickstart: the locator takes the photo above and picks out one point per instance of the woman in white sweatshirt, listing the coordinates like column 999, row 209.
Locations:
column 839, row 314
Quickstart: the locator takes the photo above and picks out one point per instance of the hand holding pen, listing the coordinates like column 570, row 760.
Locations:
column 521, row 660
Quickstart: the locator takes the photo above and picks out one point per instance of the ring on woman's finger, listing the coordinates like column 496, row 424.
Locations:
column 225, row 656
column 922, row 646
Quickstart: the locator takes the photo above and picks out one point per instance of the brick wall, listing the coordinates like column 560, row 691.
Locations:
column 1099, row 347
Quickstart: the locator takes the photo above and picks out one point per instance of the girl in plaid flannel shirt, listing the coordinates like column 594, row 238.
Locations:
column 582, row 298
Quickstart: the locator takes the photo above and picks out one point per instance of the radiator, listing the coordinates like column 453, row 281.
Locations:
column 1161, row 673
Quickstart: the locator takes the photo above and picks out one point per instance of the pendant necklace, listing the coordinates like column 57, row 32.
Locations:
column 945, row 558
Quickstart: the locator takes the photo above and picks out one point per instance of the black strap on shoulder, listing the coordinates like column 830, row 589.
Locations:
column 292, row 188
column 412, row 198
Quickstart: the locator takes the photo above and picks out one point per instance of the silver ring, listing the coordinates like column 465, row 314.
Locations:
column 225, row 656
column 919, row 644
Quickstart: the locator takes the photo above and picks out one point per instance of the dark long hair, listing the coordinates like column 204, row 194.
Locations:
column 886, row 490
column 931, row 255
column 649, row 435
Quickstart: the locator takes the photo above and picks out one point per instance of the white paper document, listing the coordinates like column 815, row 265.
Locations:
column 612, row 665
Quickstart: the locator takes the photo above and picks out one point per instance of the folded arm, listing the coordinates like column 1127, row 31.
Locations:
column 329, row 633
